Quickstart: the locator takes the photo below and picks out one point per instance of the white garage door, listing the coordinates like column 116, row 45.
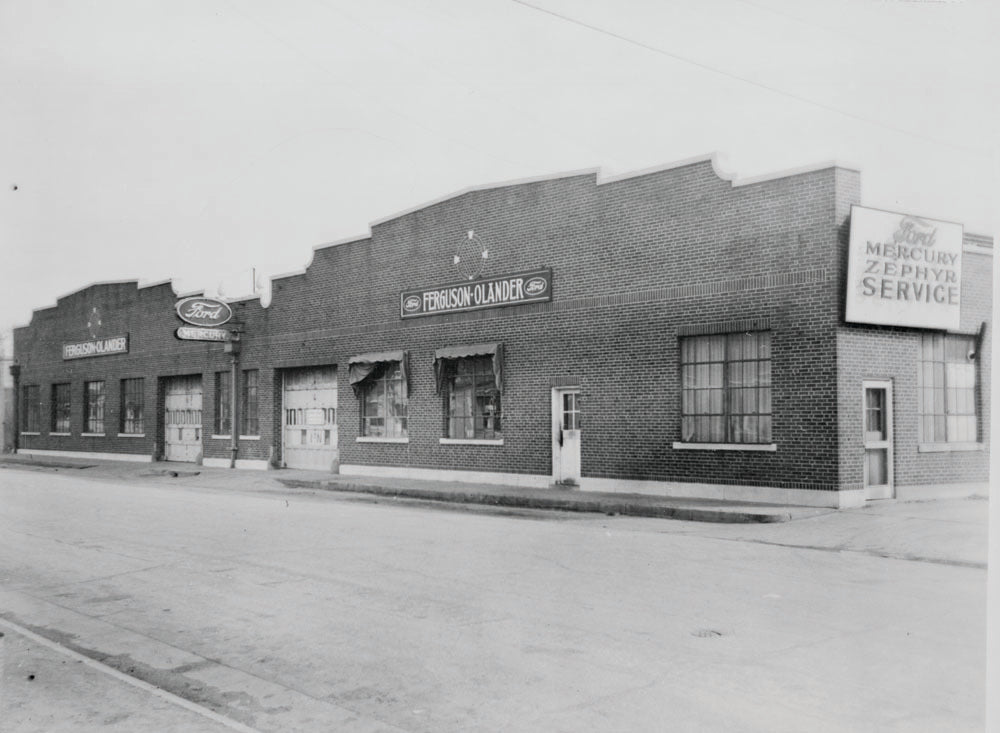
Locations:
column 309, row 418
column 182, row 418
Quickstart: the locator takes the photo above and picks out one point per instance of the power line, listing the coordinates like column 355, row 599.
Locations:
column 745, row 80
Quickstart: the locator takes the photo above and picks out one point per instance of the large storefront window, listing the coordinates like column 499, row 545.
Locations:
column 726, row 388
column 132, row 406
column 93, row 407
column 472, row 399
column 31, row 406
column 947, row 378
column 60, row 408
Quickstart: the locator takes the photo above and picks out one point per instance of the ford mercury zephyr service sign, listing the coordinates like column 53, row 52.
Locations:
column 904, row 270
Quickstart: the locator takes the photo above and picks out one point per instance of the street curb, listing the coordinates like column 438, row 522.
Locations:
column 596, row 504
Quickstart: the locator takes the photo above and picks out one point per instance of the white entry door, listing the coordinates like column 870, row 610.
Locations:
column 182, row 418
column 309, row 419
column 566, row 426
column 877, row 419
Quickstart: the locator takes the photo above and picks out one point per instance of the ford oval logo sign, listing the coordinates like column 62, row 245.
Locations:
column 535, row 286
column 204, row 311
column 411, row 304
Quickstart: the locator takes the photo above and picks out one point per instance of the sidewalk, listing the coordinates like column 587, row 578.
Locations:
column 494, row 495
column 44, row 686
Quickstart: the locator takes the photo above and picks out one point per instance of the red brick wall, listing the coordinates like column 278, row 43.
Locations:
column 633, row 261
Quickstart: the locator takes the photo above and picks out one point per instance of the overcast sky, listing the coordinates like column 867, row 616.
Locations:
column 198, row 139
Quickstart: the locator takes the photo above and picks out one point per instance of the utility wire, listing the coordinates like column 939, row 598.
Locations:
column 745, row 80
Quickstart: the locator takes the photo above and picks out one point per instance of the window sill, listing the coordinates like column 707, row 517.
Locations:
column 131, row 435
column 469, row 441
column 220, row 437
column 249, row 437
column 763, row 447
column 60, row 435
column 30, row 432
column 91, row 435
column 373, row 439
column 948, row 447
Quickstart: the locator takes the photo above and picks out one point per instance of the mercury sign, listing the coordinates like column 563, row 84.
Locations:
column 206, row 312
column 526, row 287
column 904, row 271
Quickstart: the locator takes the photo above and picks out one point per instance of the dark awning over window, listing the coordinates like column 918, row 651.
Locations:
column 466, row 352
column 360, row 367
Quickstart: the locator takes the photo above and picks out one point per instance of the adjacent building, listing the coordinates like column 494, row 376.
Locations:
column 672, row 332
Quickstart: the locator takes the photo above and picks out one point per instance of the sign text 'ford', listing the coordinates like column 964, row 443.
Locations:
column 207, row 312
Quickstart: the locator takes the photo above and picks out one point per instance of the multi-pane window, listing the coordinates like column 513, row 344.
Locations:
column 93, row 407
column 223, row 403
column 947, row 383
column 249, row 424
column 384, row 402
column 60, row 408
column 472, row 399
column 31, row 408
column 726, row 388
column 132, row 406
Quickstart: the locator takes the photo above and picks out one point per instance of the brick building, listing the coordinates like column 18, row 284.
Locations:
column 670, row 332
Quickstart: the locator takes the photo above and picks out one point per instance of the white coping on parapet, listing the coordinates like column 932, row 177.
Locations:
column 714, row 158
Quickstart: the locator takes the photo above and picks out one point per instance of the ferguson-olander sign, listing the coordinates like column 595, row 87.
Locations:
column 96, row 347
column 526, row 287
column 903, row 270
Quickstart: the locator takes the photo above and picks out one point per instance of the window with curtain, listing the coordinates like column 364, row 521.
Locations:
column 947, row 381
column 223, row 403
column 726, row 388
column 31, row 408
column 472, row 399
column 249, row 423
column 93, row 406
column 60, row 408
column 132, row 406
column 383, row 396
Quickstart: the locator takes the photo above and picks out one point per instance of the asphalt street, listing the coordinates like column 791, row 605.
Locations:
column 281, row 610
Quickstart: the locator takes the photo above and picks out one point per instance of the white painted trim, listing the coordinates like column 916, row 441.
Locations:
column 30, row 432
column 251, row 464
column 923, row 492
column 760, row 447
column 60, row 435
column 219, row 437
column 522, row 480
column 948, row 447
column 372, row 439
column 726, row 492
column 680, row 490
column 249, row 437
column 131, row 435
column 886, row 491
column 469, row 441
column 92, row 435
column 131, row 457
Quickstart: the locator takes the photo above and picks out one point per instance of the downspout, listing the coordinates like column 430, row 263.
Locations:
column 15, row 428
column 233, row 347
